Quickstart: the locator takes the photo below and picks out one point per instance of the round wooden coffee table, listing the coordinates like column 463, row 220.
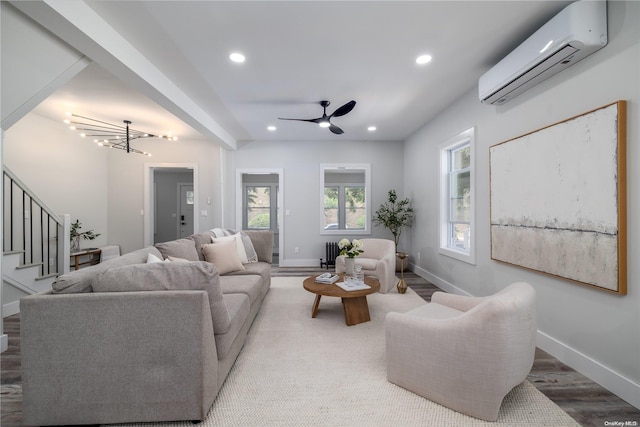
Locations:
column 356, row 309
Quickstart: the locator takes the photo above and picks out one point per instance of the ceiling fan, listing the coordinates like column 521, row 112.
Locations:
column 325, row 120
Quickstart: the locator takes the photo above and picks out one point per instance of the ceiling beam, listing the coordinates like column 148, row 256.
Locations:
column 83, row 29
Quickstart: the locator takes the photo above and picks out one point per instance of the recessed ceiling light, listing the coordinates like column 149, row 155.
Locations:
column 271, row 128
column 423, row 59
column 371, row 128
column 237, row 57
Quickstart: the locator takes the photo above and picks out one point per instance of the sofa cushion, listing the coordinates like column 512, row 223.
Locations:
column 201, row 239
column 257, row 268
column 81, row 280
column 262, row 241
column 181, row 248
column 163, row 276
column 250, row 285
column 223, row 255
column 239, row 308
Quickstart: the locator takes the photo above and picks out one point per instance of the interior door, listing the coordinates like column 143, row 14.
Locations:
column 185, row 210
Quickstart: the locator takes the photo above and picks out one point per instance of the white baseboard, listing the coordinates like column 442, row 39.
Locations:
column 300, row 262
column 441, row 283
column 10, row 309
column 619, row 385
column 4, row 343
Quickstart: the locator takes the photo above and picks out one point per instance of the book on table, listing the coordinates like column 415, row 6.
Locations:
column 327, row 278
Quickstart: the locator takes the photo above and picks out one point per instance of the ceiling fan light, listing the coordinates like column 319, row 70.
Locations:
column 324, row 123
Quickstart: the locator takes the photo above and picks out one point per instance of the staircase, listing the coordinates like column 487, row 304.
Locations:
column 35, row 244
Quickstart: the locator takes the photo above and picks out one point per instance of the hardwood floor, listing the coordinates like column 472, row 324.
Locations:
column 587, row 402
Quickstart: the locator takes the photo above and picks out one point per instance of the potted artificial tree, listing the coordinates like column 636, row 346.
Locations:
column 395, row 214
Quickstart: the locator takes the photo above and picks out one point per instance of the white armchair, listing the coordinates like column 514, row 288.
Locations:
column 378, row 259
column 465, row 353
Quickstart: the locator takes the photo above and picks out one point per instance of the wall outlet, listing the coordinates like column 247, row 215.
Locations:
column 296, row 250
column 52, row 261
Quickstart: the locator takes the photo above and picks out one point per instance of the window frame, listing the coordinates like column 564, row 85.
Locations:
column 445, row 244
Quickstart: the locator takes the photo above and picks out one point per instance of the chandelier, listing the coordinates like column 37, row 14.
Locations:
column 111, row 135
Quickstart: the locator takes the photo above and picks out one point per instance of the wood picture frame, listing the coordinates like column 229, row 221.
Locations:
column 558, row 199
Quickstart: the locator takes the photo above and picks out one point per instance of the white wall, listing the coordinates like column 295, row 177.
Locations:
column 301, row 164
column 45, row 63
column 126, row 189
column 65, row 171
column 593, row 331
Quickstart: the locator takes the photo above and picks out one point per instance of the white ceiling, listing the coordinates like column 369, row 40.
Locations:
column 299, row 53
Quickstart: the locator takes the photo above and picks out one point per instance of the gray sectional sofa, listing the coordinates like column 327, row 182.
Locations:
column 132, row 340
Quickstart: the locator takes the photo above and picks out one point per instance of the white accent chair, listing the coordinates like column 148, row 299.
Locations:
column 465, row 353
column 378, row 259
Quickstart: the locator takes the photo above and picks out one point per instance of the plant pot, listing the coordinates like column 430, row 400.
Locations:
column 348, row 265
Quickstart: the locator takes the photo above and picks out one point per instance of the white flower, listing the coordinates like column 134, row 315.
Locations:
column 350, row 248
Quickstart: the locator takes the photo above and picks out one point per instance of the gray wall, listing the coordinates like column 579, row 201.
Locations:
column 595, row 332
column 300, row 162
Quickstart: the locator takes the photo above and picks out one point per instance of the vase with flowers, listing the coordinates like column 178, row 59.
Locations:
column 350, row 249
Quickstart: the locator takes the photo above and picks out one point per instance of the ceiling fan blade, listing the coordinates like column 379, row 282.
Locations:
column 303, row 120
column 345, row 109
column 335, row 129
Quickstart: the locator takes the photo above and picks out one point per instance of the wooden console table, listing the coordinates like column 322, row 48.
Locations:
column 93, row 255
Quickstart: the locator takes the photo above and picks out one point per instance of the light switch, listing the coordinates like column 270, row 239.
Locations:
column 204, row 213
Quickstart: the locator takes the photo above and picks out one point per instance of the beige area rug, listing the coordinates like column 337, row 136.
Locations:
column 299, row 371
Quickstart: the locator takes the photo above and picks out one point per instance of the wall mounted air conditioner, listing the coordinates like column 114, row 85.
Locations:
column 576, row 32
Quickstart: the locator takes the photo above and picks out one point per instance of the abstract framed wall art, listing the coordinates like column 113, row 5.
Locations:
column 558, row 199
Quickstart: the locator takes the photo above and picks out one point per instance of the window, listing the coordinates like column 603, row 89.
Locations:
column 261, row 207
column 344, row 207
column 457, row 197
column 344, row 198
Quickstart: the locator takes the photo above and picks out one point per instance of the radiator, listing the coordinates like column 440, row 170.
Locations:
column 332, row 251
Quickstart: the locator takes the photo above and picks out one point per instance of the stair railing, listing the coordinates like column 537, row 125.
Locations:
column 32, row 228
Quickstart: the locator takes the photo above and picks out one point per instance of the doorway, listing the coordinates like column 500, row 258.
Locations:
column 171, row 202
column 259, row 200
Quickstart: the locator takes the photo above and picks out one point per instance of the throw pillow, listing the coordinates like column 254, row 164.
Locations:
column 219, row 232
column 181, row 248
column 252, row 256
column 239, row 245
column 176, row 259
column 223, row 255
column 151, row 258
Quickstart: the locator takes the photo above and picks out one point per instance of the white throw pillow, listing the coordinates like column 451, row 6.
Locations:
column 151, row 258
column 237, row 239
